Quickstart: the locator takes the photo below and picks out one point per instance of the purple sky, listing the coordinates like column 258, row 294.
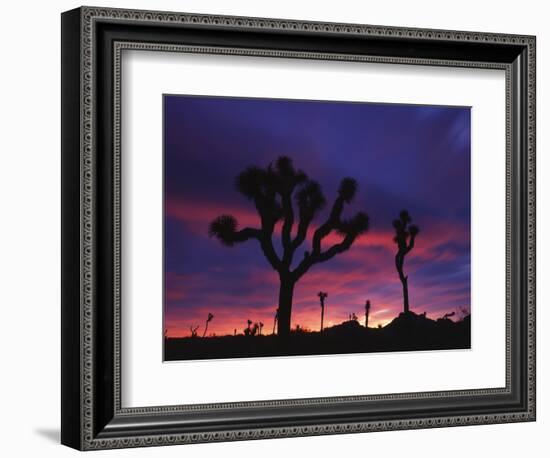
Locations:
column 402, row 156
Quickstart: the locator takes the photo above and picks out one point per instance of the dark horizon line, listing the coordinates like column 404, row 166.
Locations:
column 358, row 321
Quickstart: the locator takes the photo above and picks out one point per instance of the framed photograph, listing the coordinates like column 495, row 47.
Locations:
column 276, row 228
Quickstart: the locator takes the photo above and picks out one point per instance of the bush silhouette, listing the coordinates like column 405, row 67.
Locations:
column 272, row 191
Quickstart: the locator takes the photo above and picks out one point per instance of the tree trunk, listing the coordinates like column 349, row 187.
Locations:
column 405, row 293
column 399, row 266
column 286, row 290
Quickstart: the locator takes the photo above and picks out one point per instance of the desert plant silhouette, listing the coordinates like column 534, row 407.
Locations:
column 247, row 331
column 367, row 312
column 448, row 315
column 271, row 190
column 322, row 296
column 208, row 320
column 405, row 235
column 194, row 330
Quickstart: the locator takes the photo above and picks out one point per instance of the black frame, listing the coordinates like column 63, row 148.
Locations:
column 92, row 42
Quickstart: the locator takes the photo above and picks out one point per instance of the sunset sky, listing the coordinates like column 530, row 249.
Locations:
column 402, row 156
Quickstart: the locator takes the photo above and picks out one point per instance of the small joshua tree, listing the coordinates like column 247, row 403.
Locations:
column 208, row 320
column 405, row 235
column 247, row 330
column 260, row 326
column 322, row 296
column 194, row 330
column 272, row 190
column 367, row 312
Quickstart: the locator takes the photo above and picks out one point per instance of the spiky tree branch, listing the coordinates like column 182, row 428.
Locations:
column 350, row 229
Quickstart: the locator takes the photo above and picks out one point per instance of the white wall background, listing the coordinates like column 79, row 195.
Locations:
column 30, row 215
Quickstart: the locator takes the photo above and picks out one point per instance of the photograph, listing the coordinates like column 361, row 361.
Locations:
column 314, row 227
column 274, row 221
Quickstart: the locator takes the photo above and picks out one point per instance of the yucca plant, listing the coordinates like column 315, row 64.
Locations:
column 405, row 236
column 247, row 330
column 194, row 330
column 208, row 320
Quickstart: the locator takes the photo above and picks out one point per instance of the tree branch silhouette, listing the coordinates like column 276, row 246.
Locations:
column 349, row 229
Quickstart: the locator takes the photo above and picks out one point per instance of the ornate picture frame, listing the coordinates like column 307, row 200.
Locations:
column 93, row 416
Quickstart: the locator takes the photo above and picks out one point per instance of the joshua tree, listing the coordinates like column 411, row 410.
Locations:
column 405, row 235
column 272, row 190
column 247, row 330
column 194, row 330
column 322, row 296
column 208, row 320
column 260, row 326
column 367, row 311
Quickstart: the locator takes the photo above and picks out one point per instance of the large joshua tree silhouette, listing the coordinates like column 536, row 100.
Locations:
column 272, row 191
column 405, row 235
